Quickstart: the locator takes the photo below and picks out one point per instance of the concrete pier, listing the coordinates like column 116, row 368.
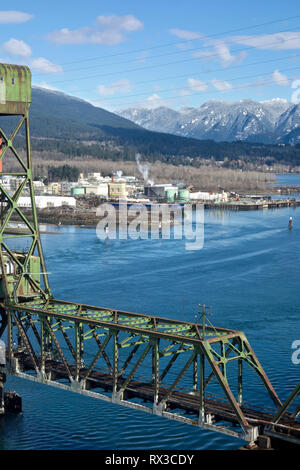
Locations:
column 2, row 381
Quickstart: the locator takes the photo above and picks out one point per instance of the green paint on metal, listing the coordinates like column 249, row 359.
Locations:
column 18, row 278
column 15, row 89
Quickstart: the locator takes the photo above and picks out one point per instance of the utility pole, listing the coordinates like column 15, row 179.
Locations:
column 204, row 311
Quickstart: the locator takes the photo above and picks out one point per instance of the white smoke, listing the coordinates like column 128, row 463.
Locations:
column 143, row 169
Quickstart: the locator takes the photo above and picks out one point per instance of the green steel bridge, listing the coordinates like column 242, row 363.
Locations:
column 190, row 372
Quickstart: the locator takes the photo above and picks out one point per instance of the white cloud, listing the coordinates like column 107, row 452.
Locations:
column 43, row 65
column 211, row 48
column 153, row 101
column 121, row 86
column 153, row 97
column 223, row 50
column 17, row 47
column 276, row 42
column 11, row 16
column 184, row 34
column 225, row 55
column 196, row 85
column 109, row 30
column 193, row 85
column 126, row 23
column 221, row 85
column 280, row 79
column 185, row 92
column 65, row 36
column 220, row 51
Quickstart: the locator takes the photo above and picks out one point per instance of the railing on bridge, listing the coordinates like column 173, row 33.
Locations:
column 105, row 350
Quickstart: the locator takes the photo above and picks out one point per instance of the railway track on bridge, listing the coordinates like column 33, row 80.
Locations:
column 188, row 402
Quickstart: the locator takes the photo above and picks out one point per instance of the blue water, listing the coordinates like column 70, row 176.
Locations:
column 248, row 271
column 288, row 179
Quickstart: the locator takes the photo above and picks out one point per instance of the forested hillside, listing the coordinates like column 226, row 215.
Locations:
column 64, row 125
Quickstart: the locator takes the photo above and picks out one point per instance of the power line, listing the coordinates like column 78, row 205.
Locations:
column 183, row 42
column 204, row 72
column 213, row 71
column 176, row 53
column 162, row 65
column 254, row 85
column 242, row 86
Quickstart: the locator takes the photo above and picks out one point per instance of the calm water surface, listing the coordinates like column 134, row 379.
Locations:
column 248, row 271
column 288, row 179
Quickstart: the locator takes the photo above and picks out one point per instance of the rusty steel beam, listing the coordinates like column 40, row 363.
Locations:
column 291, row 398
column 122, row 383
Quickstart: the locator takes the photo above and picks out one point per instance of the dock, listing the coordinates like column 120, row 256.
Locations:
column 248, row 205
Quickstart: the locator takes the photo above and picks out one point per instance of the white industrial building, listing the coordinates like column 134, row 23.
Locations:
column 100, row 189
column 5, row 182
column 94, row 176
column 206, row 196
column 43, row 202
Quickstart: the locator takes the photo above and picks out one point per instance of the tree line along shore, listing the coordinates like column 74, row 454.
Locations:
column 208, row 176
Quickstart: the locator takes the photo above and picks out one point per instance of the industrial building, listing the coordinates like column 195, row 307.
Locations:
column 43, row 202
column 158, row 191
column 117, row 190
column 206, row 196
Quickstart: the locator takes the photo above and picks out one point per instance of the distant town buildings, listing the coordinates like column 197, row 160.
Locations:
column 42, row 202
column 118, row 186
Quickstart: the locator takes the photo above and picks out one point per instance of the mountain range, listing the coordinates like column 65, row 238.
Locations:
column 63, row 113
column 269, row 122
column 64, row 127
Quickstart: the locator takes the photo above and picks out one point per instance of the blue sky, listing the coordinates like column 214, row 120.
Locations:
column 120, row 54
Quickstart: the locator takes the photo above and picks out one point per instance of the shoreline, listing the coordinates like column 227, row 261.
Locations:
column 88, row 219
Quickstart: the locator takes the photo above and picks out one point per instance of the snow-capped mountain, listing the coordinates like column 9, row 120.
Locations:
column 271, row 121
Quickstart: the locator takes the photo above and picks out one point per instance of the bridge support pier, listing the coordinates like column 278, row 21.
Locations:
column 76, row 386
column 118, row 397
column 264, row 442
column 158, row 408
column 201, row 420
column 251, row 434
column 12, row 365
column 2, row 382
column 9, row 401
